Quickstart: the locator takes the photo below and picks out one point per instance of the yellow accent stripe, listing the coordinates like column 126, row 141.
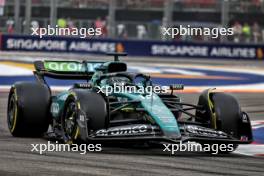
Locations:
column 211, row 106
column 73, row 94
column 77, row 133
column 69, row 142
column 78, row 105
column 15, row 115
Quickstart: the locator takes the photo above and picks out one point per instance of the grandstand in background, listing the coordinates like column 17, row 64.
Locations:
column 138, row 19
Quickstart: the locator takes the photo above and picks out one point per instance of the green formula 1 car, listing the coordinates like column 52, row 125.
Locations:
column 87, row 112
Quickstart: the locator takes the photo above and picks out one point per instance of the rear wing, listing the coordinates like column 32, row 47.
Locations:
column 80, row 70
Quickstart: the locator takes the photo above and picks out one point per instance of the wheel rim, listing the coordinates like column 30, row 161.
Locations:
column 70, row 119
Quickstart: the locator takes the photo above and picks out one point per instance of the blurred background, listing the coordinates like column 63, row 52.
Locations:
column 138, row 19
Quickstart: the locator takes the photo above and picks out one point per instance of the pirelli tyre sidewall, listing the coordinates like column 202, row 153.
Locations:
column 28, row 109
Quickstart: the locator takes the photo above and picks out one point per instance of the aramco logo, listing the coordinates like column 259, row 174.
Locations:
column 64, row 66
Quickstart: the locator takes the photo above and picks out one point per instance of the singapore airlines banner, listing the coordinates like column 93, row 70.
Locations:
column 132, row 47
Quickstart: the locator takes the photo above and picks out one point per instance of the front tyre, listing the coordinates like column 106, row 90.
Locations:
column 223, row 113
column 89, row 105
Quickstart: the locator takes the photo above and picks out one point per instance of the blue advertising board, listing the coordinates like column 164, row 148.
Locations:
column 132, row 47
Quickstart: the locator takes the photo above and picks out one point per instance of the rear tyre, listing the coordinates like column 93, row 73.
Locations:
column 28, row 109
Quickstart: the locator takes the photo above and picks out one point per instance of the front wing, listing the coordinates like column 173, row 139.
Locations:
column 147, row 132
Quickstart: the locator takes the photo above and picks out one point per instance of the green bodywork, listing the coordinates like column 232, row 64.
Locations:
column 153, row 104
